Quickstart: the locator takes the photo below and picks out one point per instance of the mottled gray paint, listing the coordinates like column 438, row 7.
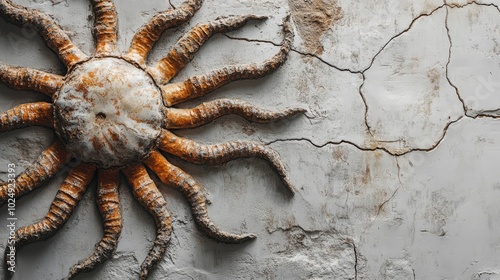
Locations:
column 396, row 179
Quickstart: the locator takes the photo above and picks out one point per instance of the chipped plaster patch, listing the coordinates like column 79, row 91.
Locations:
column 314, row 255
column 313, row 18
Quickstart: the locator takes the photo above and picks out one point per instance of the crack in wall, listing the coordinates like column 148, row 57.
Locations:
column 363, row 97
column 296, row 51
column 484, row 113
column 362, row 73
column 447, row 6
column 355, row 260
column 331, row 64
column 352, row 143
column 381, row 206
column 449, row 61
column 488, row 273
column 452, row 5
column 401, row 33
column 365, row 149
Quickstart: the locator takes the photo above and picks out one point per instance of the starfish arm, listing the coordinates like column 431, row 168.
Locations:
column 106, row 31
column 24, row 115
column 181, row 181
column 191, row 151
column 184, row 50
column 45, row 167
column 30, row 79
column 55, row 38
column 69, row 194
column 108, row 202
column 200, row 85
column 145, row 191
column 148, row 34
column 209, row 111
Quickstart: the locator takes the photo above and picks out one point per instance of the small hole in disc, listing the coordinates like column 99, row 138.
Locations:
column 100, row 116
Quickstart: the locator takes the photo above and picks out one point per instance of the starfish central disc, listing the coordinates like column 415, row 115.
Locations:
column 109, row 112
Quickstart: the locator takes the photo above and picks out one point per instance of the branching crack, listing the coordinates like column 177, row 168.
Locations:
column 449, row 61
column 484, row 114
column 368, row 127
column 365, row 149
column 363, row 98
column 381, row 206
column 451, row 5
column 401, row 33
column 291, row 228
column 447, row 6
column 296, row 51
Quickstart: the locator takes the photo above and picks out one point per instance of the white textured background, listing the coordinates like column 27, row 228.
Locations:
column 396, row 166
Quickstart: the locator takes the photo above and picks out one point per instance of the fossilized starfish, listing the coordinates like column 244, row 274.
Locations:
column 113, row 114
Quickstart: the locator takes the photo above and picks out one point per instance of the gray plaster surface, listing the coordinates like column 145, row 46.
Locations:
column 396, row 163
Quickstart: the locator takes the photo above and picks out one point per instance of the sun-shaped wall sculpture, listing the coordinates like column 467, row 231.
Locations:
column 113, row 114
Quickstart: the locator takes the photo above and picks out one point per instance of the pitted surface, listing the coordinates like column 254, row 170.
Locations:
column 108, row 112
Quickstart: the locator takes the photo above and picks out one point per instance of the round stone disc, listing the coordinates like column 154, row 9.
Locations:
column 109, row 112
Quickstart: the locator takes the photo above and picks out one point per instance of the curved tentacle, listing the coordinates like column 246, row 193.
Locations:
column 108, row 202
column 184, row 50
column 148, row 34
column 173, row 176
column 69, row 194
column 45, row 167
column 209, row 111
column 55, row 38
column 23, row 78
column 24, row 115
column 200, row 85
column 152, row 200
column 191, row 151
column 106, row 27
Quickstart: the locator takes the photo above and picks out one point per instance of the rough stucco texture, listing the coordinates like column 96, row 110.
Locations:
column 396, row 163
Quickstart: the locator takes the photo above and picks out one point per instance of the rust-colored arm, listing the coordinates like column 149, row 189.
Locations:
column 145, row 191
column 191, row 151
column 23, row 78
column 108, row 202
column 148, row 34
column 53, row 35
column 209, row 111
column 106, row 27
column 184, row 183
column 69, row 194
column 200, row 85
column 24, row 115
column 45, row 167
column 184, row 50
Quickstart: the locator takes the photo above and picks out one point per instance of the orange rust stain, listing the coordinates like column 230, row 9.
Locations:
column 96, row 143
column 115, row 137
column 313, row 18
column 82, row 88
column 90, row 79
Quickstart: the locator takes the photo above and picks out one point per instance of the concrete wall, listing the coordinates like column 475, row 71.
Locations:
column 396, row 163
